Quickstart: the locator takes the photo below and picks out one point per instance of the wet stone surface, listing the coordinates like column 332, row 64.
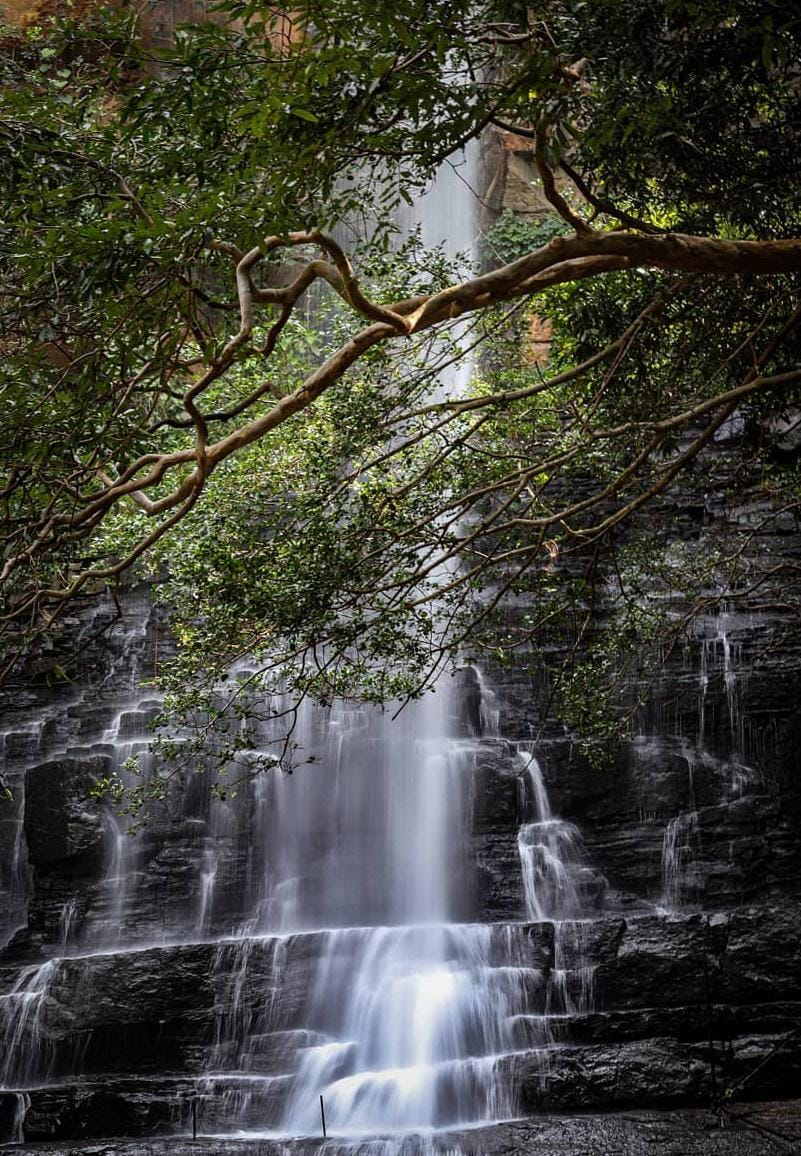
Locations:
column 748, row 1129
column 669, row 878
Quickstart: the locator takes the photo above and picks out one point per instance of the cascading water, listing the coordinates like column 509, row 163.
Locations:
column 14, row 870
column 381, row 999
column 27, row 1056
column 409, row 1011
column 550, row 854
column 717, row 774
column 557, row 885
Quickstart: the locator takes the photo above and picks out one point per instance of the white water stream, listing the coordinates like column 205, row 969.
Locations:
column 409, row 1012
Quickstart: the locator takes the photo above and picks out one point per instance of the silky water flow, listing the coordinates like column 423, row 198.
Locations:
column 406, row 1018
column 409, row 1013
column 414, row 1016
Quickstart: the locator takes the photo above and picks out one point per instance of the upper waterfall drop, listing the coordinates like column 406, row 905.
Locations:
column 408, row 1035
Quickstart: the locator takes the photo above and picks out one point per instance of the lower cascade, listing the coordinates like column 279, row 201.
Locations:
column 403, row 935
column 329, row 931
column 412, row 1020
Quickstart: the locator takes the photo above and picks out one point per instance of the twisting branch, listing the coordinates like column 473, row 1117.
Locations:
column 605, row 206
column 587, row 254
column 549, row 185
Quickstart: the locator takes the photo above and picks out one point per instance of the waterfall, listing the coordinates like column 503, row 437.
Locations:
column 26, row 1057
column 411, row 1017
column 557, row 884
column 409, row 1012
column 410, row 1020
column 551, row 852
column 714, row 754
column 13, row 873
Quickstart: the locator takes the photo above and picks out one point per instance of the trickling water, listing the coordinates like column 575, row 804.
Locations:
column 14, row 873
column 25, row 1058
column 679, row 843
column 67, row 924
column 551, row 853
column 716, row 756
column 208, row 878
column 489, row 709
column 555, row 882
column 721, row 659
column 21, row 1105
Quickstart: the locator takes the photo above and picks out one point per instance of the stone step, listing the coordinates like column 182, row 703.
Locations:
column 602, row 1133
column 86, row 1109
column 147, row 1009
column 641, row 962
column 270, row 1053
column 230, row 1101
column 645, row 1073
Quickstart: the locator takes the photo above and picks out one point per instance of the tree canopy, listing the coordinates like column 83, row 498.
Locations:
column 218, row 359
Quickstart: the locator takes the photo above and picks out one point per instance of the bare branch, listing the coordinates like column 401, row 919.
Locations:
column 549, row 186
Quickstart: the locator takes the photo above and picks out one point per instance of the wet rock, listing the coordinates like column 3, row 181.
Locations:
column 142, row 1025
column 762, row 955
column 124, row 1108
column 468, row 697
column 62, row 819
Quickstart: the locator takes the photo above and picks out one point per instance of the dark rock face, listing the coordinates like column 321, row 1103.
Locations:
column 663, row 987
column 696, row 827
column 716, row 764
column 680, row 985
column 61, row 822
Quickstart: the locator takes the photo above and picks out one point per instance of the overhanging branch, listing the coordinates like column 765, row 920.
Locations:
column 585, row 255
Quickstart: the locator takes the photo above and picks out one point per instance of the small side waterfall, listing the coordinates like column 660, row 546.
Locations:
column 679, row 845
column 558, row 885
column 551, row 853
column 714, row 753
column 13, row 871
column 720, row 658
column 26, row 1058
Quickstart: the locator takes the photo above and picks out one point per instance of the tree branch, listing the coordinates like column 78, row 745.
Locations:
column 584, row 255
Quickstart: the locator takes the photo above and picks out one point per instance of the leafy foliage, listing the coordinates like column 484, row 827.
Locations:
column 512, row 236
column 199, row 380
